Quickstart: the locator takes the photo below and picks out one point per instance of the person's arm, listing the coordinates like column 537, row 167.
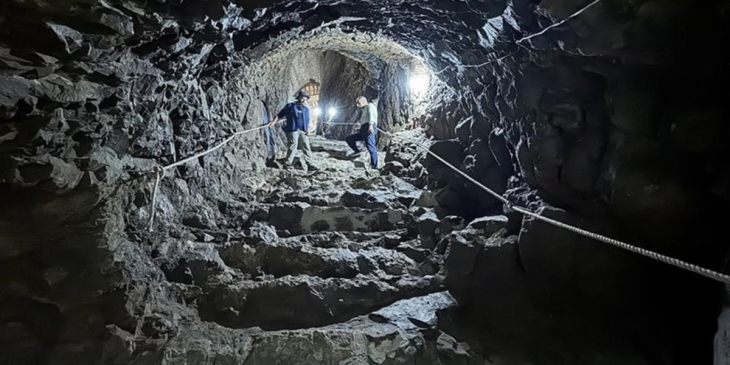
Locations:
column 281, row 114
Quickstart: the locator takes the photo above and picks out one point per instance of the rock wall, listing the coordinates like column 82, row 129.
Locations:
column 612, row 120
column 345, row 80
column 589, row 115
column 94, row 95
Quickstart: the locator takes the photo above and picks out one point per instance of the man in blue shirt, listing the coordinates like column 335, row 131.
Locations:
column 296, row 129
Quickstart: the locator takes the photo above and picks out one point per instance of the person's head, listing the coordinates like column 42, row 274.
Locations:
column 302, row 96
column 361, row 101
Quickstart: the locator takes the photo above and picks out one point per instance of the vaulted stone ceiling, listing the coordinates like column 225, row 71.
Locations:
column 615, row 120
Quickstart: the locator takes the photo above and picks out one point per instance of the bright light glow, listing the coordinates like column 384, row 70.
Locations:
column 331, row 112
column 419, row 83
column 317, row 110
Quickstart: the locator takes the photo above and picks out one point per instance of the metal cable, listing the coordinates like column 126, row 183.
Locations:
column 641, row 251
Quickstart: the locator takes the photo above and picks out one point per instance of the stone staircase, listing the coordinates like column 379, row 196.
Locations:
column 331, row 268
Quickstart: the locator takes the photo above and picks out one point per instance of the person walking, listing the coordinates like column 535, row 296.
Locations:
column 368, row 131
column 297, row 130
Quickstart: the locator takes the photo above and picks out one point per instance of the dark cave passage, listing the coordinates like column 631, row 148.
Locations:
column 607, row 115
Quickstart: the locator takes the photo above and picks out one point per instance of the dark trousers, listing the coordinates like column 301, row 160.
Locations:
column 369, row 139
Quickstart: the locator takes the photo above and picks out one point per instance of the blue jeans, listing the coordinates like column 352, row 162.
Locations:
column 369, row 139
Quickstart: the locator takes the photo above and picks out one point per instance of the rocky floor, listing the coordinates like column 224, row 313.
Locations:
column 334, row 266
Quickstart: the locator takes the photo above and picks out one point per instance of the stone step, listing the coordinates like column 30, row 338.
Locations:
column 322, row 188
column 305, row 301
column 299, row 257
column 261, row 231
column 303, row 218
column 405, row 332
column 321, row 144
column 327, row 267
column 352, row 239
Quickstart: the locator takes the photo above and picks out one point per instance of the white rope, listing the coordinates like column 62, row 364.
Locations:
column 219, row 145
column 160, row 170
column 644, row 252
column 158, row 177
column 521, row 40
column 647, row 253
column 333, row 123
column 492, row 61
column 465, row 175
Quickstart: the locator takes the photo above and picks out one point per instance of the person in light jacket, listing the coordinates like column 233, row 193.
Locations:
column 368, row 131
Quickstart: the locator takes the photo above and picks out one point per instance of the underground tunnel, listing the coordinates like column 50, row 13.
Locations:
column 148, row 216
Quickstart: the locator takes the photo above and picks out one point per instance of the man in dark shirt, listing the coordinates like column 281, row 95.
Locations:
column 296, row 129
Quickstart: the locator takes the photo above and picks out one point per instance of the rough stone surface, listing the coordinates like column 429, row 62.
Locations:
column 614, row 120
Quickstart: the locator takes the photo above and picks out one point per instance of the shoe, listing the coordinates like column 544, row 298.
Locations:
column 354, row 155
column 272, row 163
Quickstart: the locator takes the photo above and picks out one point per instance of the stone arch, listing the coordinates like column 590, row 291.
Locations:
column 312, row 88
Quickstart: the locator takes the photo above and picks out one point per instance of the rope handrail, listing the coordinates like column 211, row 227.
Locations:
column 219, row 145
column 160, row 174
column 160, row 170
column 571, row 16
column 333, row 123
column 616, row 243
